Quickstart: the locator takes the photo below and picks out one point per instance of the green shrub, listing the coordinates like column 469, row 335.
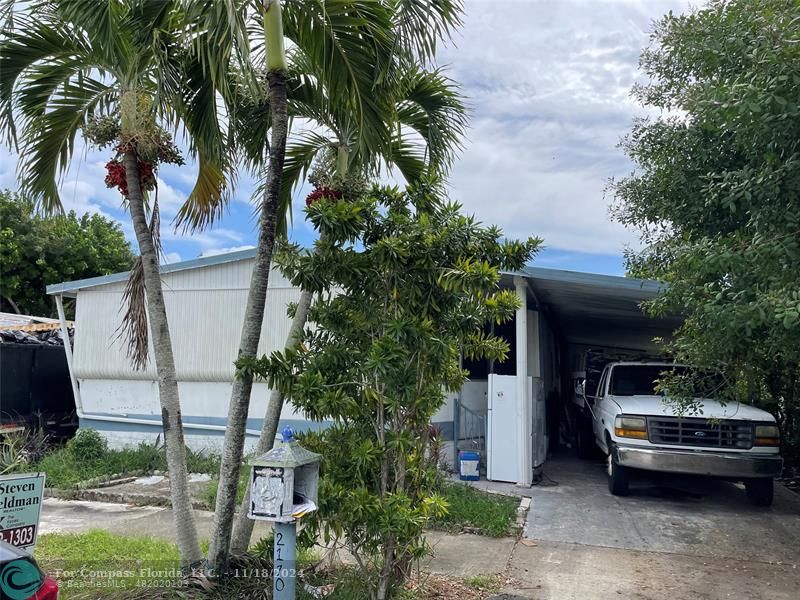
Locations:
column 19, row 450
column 201, row 462
column 11, row 458
column 209, row 496
column 87, row 446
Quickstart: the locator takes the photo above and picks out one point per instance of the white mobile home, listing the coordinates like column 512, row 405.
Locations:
column 509, row 416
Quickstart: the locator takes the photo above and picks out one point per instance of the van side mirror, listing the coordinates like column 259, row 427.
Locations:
column 580, row 392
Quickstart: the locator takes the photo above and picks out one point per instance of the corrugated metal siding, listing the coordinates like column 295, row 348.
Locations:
column 205, row 308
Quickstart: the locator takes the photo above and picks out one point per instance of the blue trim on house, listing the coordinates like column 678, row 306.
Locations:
column 300, row 425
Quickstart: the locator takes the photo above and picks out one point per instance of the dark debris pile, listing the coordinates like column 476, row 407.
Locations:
column 50, row 337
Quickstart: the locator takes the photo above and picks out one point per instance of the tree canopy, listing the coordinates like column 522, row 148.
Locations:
column 36, row 251
column 716, row 193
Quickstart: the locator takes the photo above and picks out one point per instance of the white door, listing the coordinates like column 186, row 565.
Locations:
column 502, row 444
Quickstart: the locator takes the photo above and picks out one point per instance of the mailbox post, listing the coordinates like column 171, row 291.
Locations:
column 283, row 488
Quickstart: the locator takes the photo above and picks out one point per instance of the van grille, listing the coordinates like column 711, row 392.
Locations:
column 700, row 432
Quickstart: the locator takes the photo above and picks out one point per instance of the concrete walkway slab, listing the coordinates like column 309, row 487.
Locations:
column 466, row 555
column 76, row 516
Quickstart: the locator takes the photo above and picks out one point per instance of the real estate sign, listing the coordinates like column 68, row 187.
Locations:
column 20, row 507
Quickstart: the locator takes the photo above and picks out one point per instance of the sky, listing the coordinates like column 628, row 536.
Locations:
column 547, row 83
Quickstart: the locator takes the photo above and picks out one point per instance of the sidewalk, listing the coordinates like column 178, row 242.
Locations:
column 458, row 555
column 76, row 516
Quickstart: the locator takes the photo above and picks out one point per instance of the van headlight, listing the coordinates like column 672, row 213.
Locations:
column 767, row 435
column 631, row 427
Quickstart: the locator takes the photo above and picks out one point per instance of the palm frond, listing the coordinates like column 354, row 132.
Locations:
column 208, row 198
column 32, row 42
column 219, row 37
column 352, row 45
column 133, row 328
column 421, row 24
column 249, row 125
column 409, row 158
column 300, row 154
column 198, row 110
column 308, row 98
column 98, row 20
column 48, row 140
column 432, row 106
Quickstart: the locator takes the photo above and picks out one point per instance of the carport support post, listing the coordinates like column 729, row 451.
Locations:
column 524, row 426
column 76, row 390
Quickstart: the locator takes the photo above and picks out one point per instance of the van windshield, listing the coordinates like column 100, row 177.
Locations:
column 640, row 380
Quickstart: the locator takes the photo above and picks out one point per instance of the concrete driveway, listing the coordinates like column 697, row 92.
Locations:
column 673, row 537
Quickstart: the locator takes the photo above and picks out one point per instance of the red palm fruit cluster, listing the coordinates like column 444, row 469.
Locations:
column 116, row 176
column 323, row 192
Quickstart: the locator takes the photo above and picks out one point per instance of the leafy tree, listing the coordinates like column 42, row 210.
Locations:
column 716, row 194
column 403, row 285
column 125, row 73
column 36, row 251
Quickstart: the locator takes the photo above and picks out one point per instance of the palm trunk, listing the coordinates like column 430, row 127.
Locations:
column 243, row 527
column 251, row 330
column 185, row 530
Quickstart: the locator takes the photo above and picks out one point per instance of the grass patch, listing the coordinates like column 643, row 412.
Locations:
column 209, row 496
column 490, row 514
column 87, row 456
column 98, row 564
column 483, row 583
column 87, row 565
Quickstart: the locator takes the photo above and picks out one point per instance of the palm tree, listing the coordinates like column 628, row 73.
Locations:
column 427, row 120
column 352, row 51
column 346, row 55
column 124, row 73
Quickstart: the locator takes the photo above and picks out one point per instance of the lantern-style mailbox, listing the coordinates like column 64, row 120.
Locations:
column 284, row 482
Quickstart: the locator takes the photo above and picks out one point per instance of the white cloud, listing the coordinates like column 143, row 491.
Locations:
column 216, row 251
column 549, row 85
column 170, row 257
column 170, row 199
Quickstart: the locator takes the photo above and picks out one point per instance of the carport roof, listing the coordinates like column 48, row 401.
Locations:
column 598, row 310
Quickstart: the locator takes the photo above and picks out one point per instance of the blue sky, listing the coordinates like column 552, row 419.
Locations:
column 548, row 85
